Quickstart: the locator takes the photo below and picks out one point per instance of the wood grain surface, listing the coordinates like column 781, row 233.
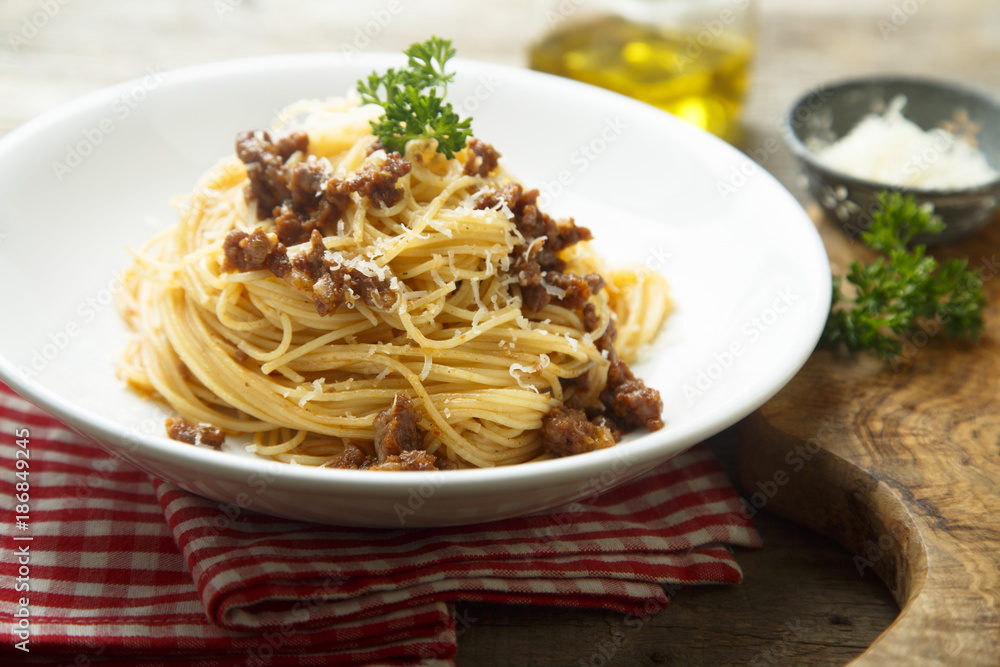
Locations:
column 900, row 463
column 804, row 600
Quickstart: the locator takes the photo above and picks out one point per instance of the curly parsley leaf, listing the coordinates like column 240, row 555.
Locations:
column 413, row 100
column 422, row 57
column 898, row 220
column 906, row 289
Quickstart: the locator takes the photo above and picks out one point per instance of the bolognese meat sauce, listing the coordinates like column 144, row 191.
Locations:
column 306, row 205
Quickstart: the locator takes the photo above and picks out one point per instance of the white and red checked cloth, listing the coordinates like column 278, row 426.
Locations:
column 108, row 579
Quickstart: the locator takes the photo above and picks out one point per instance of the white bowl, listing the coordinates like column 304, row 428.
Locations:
column 749, row 274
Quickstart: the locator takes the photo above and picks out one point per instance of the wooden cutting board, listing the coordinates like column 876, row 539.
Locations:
column 901, row 465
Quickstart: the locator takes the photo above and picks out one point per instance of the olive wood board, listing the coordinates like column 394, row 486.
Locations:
column 899, row 463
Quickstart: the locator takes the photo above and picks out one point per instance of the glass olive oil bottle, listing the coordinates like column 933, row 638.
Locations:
column 697, row 72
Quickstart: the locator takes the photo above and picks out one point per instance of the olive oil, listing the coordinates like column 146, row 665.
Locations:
column 698, row 74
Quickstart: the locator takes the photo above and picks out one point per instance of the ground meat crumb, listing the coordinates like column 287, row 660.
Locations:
column 607, row 339
column 631, row 401
column 396, row 429
column 507, row 196
column 576, row 290
column 265, row 165
column 288, row 226
column 378, row 181
column 288, row 145
column 534, row 297
column 568, row 431
column 194, row 434
column 331, row 284
column 253, row 252
column 591, row 320
column 483, row 158
column 408, row 460
column 531, row 222
column 305, row 183
column 537, row 265
column 352, row 458
column 341, row 284
column 310, row 262
column 316, row 202
column 602, row 420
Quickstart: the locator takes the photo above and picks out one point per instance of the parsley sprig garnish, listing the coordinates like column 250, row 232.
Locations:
column 906, row 289
column 413, row 100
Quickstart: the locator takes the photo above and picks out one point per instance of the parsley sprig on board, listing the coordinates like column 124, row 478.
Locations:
column 897, row 293
column 413, row 100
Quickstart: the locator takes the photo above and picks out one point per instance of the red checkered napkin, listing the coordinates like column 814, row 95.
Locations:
column 103, row 579
column 107, row 578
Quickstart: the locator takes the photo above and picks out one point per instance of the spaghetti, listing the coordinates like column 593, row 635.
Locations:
column 318, row 292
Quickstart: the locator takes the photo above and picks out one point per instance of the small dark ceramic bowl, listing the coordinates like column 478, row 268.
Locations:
column 830, row 112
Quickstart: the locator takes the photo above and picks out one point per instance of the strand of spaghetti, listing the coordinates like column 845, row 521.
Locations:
column 227, row 302
column 213, row 368
column 474, row 367
column 282, row 447
column 315, row 343
column 503, row 316
column 426, row 215
column 168, row 383
column 286, row 342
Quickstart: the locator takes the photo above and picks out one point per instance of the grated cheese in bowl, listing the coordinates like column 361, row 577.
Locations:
column 891, row 149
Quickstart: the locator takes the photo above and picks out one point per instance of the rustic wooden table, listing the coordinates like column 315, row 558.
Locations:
column 802, row 601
